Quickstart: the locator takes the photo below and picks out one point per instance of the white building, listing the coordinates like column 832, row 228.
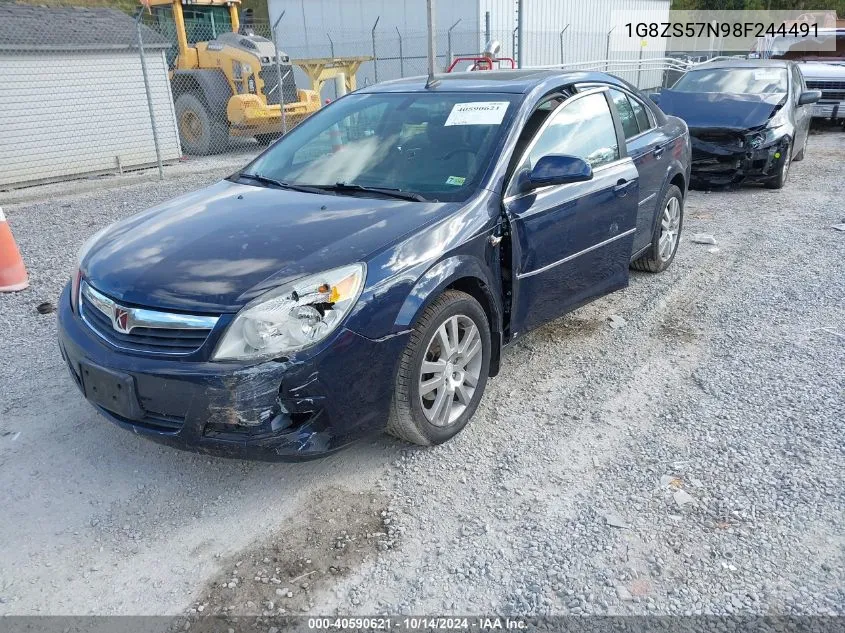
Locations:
column 72, row 96
column 556, row 31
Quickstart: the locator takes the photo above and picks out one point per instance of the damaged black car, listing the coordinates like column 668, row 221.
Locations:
column 748, row 120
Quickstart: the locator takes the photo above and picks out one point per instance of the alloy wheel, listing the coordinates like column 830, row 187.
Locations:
column 670, row 225
column 450, row 370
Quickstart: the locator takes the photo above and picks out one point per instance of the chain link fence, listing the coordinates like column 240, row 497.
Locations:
column 88, row 92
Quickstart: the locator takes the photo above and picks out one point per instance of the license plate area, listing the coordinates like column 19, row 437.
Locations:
column 112, row 390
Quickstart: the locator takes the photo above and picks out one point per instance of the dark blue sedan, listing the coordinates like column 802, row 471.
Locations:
column 368, row 269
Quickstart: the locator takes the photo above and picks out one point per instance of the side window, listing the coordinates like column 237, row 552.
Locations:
column 643, row 119
column 582, row 128
column 626, row 113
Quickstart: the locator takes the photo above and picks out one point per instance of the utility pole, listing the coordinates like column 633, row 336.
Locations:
column 432, row 39
column 520, row 33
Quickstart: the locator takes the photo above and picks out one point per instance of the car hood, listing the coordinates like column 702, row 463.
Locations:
column 711, row 109
column 215, row 249
column 822, row 70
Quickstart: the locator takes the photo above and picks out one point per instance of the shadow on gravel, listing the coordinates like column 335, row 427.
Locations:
column 332, row 536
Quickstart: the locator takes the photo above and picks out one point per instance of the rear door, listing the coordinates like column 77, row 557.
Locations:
column 572, row 242
column 647, row 144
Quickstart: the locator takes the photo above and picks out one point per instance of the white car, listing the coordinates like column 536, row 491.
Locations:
column 829, row 77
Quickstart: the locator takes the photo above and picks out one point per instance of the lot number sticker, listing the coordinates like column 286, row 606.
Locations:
column 477, row 113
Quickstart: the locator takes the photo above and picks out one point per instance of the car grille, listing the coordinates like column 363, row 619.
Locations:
column 154, row 340
column 831, row 90
column 719, row 137
column 269, row 74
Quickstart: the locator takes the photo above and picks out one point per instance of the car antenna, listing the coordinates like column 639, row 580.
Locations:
column 431, row 82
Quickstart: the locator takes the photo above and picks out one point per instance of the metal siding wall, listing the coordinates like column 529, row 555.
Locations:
column 585, row 39
column 502, row 22
column 66, row 114
column 307, row 24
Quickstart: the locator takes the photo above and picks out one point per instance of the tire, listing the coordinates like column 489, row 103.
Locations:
column 656, row 259
column 777, row 182
column 413, row 417
column 200, row 132
column 267, row 139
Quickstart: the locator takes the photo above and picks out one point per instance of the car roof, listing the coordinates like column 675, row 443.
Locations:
column 744, row 63
column 519, row 81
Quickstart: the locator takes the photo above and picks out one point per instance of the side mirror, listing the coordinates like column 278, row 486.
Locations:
column 557, row 169
column 810, row 96
column 655, row 97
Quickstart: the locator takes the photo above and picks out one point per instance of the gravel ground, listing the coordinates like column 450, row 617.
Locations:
column 690, row 461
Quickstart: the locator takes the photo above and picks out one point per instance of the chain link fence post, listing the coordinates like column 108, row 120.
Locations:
column 487, row 37
column 607, row 50
column 562, row 56
column 375, row 56
column 149, row 94
column 401, row 54
column 640, row 65
column 449, row 43
column 279, row 72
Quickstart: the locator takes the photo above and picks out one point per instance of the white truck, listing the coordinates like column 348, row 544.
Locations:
column 822, row 69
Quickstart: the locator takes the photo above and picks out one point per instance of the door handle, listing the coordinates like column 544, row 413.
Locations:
column 622, row 187
column 658, row 151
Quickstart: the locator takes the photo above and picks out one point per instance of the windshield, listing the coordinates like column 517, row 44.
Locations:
column 434, row 144
column 738, row 81
column 202, row 23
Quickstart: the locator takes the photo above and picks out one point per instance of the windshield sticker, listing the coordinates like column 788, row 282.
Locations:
column 477, row 113
column 455, row 180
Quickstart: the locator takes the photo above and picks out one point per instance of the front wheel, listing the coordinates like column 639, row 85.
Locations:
column 667, row 234
column 442, row 372
column 779, row 181
column 200, row 131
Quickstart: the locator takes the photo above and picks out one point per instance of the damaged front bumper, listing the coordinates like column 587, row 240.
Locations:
column 721, row 158
column 294, row 409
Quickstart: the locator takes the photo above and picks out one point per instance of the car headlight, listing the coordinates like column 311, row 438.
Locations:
column 756, row 140
column 292, row 317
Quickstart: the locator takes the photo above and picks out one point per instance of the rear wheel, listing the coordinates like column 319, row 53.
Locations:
column 667, row 234
column 200, row 132
column 442, row 372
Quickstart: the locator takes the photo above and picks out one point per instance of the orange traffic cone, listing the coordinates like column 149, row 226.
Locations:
column 12, row 271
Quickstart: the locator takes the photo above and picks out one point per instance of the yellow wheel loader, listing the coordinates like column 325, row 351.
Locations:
column 224, row 82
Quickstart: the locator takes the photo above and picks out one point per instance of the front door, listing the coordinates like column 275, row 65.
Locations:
column 572, row 243
column 803, row 113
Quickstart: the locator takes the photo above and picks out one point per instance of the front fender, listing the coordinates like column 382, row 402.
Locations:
column 435, row 280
